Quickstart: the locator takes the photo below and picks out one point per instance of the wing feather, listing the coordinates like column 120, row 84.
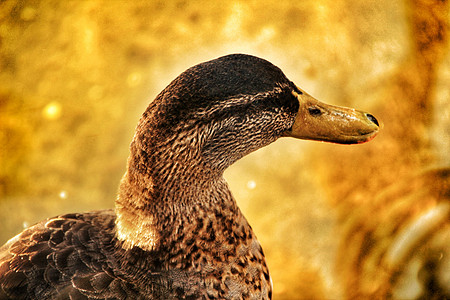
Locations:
column 63, row 257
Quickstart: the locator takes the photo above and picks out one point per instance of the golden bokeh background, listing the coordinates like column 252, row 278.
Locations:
column 76, row 75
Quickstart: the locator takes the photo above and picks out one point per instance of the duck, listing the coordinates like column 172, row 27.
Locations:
column 176, row 231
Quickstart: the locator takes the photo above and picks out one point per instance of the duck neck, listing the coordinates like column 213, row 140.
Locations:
column 167, row 186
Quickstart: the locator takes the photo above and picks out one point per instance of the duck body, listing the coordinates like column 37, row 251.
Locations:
column 176, row 231
column 77, row 256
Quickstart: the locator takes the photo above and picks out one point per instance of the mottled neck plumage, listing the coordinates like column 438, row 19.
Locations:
column 167, row 183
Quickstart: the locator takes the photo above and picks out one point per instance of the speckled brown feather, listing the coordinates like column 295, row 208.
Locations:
column 77, row 256
column 70, row 256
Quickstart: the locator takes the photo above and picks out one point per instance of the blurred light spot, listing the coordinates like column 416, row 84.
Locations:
column 25, row 224
column 234, row 22
column 266, row 34
column 88, row 39
column 134, row 79
column 28, row 14
column 181, row 28
column 63, row 194
column 251, row 184
column 322, row 11
column 52, row 111
column 95, row 92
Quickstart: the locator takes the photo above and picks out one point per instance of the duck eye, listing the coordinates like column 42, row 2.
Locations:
column 314, row 111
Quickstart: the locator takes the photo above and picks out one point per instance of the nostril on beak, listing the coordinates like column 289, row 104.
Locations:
column 372, row 119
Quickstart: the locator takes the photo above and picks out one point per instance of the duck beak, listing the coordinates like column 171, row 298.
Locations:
column 322, row 122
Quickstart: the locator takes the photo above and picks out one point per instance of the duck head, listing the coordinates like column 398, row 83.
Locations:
column 207, row 118
column 233, row 105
